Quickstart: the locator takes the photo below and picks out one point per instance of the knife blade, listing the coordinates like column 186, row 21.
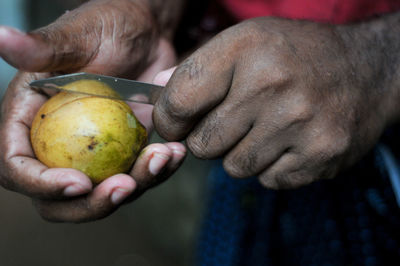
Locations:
column 124, row 87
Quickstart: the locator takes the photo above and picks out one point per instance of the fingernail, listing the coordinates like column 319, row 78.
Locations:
column 74, row 190
column 119, row 195
column 157, row 163
column 178, row 151
column 5, row 31
column 140, row 97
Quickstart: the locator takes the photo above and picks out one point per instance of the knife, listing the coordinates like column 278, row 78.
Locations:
column 124, row 87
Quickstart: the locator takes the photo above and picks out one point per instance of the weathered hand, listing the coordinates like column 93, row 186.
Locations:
column 110, row 37
column 102, row 37
column 288, row 101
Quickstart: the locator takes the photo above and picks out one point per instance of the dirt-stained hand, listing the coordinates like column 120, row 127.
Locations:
column 109, row 37
column 289, row 101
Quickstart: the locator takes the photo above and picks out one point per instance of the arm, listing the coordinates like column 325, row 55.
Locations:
column 289, row 101
column 374, row 45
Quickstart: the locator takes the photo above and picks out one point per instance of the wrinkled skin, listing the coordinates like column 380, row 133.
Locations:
column 289, row 101
column 109, row 37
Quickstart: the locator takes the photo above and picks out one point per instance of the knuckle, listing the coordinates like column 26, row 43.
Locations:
column 7, row 183
column 248, row 24
column 280, row 41
column 285, row 180
column 250, row 30
column 169, row 124
column 205, row 144
column 301, row 110
column 174, row 106
column 93, row 210
column 179, row 100
column 44, row 213
column 177, row 108
column 233, row 170
column 5, row 180
column 253, row 31
column 280, row 75
column 329, row 146
column 198, row 146
column 342, row 143
column 191, row 69
column 206, row 140
column 239, row 165
column 49, row 218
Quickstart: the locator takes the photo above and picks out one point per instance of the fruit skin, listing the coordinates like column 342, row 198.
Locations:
column 100, row 137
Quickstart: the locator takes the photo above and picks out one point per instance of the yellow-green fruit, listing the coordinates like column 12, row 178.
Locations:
column 98, row 136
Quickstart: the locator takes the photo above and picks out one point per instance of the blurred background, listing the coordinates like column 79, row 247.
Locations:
column 158, row 229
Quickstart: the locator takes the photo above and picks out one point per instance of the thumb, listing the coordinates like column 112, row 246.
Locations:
column 40, row 51
column 163, row 77
column 165, row 58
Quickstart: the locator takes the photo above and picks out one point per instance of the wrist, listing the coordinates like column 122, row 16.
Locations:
column 373, row 52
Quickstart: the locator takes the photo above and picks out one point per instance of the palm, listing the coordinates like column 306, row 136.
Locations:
column 105, row 36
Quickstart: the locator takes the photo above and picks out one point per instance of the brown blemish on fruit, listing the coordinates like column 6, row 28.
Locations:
column 44, row 146
column 43, row 116
column 92, row 145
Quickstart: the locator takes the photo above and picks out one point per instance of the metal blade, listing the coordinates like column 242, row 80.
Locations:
column 125, row 87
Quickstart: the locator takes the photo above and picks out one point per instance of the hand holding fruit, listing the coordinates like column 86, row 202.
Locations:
column 75, row 42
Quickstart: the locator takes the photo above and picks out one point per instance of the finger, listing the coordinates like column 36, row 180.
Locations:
column 272, row 135
column 221, row 129
column 313, row 156
column 178, row 156
column 261, row 147
column 156, row 163
column 250, row 97
column 48, row 49
column 289, row 172
column 20, row 171
column 102, row 201
column 163, row 77
column 32, row 178
column 165, row 57
column 197, row 86
column 143, row 113
column 13, row 45
column 20, row 102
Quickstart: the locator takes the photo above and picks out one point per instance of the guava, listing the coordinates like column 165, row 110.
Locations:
column 98, row 136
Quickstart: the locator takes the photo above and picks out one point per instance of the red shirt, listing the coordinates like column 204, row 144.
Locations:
column 332, row 11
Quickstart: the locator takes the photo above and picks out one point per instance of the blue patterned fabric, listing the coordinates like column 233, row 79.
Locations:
column 352, row 219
